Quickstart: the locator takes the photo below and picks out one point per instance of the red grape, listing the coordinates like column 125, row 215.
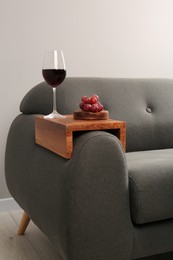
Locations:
column 81, row 105
column 100, row 107
column 94, row 108
column 85, row 99
column 93, row 99
column 91, row 104
column 96, row 97
column 87, row 107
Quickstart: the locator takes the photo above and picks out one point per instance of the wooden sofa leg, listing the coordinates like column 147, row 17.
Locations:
column 23, row 224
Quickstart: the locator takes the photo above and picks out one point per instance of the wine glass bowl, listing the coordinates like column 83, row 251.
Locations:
column 54, row 73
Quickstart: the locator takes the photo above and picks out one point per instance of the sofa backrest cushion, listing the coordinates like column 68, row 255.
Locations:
column 145, row 104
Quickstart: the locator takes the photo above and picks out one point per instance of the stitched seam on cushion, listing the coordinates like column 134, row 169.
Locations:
column 138, row 200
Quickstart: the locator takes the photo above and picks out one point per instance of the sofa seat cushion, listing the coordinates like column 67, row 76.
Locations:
column 151, row 185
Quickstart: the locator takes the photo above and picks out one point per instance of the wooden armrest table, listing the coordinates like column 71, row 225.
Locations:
column 57, row 135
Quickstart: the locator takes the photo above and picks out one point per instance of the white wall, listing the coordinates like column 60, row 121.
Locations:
column 104, row 38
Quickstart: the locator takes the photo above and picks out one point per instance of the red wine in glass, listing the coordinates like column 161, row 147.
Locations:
column 54, row 73
column 54, row 77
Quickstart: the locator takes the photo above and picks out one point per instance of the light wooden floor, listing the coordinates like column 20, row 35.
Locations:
column 32, row 246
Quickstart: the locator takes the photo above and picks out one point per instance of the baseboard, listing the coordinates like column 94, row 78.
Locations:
column 8, row 204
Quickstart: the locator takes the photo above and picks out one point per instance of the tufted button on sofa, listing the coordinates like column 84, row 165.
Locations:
column 103, row 203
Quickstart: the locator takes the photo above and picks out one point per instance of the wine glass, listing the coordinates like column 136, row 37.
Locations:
column 54, row 73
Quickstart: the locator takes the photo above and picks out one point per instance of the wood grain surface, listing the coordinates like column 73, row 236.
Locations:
column 79, row 114
column 34, row 245
column 57, row 134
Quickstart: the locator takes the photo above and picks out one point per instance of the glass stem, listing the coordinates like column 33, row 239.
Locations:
column 54, row 100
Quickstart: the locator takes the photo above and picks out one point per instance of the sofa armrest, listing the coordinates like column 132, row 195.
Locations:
column 81, row 204
column 99, row 221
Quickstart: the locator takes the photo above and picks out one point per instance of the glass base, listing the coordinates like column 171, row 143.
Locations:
column 54, row 114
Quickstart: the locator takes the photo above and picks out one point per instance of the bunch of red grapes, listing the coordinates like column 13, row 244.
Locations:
column 91, row 104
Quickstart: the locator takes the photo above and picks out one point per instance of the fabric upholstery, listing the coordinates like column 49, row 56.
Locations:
column 145, row 104
column 73, row 201
column 88, row 206
column 153, row 238
column 166, row 256
column 151, row 185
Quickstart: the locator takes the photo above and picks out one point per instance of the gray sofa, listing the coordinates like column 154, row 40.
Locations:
column 102, row 204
